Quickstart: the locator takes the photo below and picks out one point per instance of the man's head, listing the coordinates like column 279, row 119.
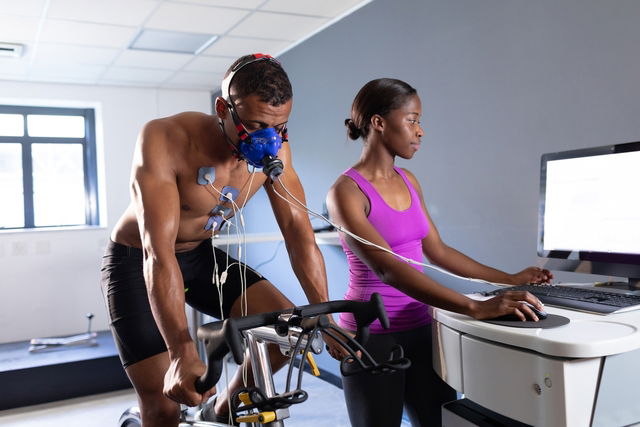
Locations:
column 255, row 105
column 257, row 74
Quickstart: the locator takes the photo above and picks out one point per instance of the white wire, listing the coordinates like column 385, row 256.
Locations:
column 365, row 241
column 242, row 239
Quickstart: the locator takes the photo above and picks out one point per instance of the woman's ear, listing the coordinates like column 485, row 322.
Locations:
column 377, row 123
column 221, row 108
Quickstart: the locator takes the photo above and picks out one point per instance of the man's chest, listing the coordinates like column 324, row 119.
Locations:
column 208, row 191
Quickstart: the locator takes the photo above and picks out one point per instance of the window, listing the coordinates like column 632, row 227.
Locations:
column 47, row 167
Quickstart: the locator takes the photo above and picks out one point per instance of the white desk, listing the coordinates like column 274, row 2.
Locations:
column 322, row 238
column 586, row 373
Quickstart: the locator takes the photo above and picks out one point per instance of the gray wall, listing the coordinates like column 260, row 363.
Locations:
column 501, row 82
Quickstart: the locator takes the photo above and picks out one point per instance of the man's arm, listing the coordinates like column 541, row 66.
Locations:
column 156, row 200
column 305, row 256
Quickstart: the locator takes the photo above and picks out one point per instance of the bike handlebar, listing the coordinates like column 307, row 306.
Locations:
column 223, row 336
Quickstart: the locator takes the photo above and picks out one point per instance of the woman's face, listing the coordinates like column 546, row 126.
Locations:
column 402, row 131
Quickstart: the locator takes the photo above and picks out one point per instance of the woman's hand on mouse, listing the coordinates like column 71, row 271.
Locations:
column 509, row 302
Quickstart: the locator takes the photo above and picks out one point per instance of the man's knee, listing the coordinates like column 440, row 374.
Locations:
column 262, row 296
column 159, row 412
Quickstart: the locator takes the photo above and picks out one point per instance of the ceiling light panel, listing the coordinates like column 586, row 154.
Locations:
column 56, row 31
column 171, row 41
column 117, row 12
column 277, row 26
column 198, row 19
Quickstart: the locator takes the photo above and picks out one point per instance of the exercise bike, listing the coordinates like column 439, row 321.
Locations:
column 298, row 333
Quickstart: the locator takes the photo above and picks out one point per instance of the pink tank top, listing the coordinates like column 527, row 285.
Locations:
column 403, row 231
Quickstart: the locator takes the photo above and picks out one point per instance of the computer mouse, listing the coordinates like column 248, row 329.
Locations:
column 540, row 313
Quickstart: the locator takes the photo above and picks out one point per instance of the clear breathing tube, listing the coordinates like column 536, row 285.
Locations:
column 341, row 229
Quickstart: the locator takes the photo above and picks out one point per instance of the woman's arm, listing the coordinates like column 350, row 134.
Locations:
column 347, row 206
column 442, row 255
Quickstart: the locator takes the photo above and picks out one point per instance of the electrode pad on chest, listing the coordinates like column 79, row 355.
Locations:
column 206, row 175
column 229, row 193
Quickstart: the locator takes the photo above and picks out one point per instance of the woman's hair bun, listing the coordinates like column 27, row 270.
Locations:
column 352, row 130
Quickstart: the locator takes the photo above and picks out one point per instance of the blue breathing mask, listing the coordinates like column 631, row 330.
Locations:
column 258, row 145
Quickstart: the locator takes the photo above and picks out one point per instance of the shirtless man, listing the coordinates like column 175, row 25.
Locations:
column 190, row 176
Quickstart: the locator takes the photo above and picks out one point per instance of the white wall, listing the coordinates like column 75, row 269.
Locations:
column 49, row 280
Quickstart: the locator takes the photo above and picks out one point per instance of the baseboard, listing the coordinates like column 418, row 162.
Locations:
column 33, row 378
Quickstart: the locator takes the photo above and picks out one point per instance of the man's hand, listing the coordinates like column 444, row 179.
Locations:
column 532, row 275
column 335, row 349
column 179, row 381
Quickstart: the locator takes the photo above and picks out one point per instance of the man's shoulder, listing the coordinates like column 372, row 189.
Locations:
column 178, row 125
column 184, row 120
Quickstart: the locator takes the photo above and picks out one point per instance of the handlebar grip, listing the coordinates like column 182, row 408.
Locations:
column 216, row 347
column 219, row 338
column 364, row 312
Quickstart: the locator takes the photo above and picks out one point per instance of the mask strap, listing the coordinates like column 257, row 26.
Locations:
column 234, row 149
column 242, row 132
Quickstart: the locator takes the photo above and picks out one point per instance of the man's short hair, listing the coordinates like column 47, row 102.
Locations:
column 265, row 78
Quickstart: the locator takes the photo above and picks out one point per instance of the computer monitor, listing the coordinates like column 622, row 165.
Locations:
column 589, row 211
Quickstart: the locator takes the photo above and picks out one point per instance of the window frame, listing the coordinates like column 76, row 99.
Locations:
column 89, row 157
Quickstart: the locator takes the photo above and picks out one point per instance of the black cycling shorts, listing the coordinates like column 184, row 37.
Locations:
column 134, row 329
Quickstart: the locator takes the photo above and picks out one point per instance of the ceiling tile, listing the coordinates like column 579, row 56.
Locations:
column 326, row 8
column 129, row 83
column 278, row 26
column 194, row 79
column 119, row 12
column 55, row 31
column 23, row 7
column 76, row 73
column 235, row 47
column 18, row 28
column 195, row 18
column 146, row 59
column 209, row 64
column 244, row 4
column 14, row 66
column 51, row 53
column 140, row 75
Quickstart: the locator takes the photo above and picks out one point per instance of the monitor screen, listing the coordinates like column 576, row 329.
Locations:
column 590, row 205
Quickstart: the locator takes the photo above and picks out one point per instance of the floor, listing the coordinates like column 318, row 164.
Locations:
column 325, row 407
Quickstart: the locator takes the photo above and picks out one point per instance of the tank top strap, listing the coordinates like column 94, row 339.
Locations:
column 412, row 190
column 367, row 188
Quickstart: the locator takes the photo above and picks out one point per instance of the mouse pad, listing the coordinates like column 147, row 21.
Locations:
column 552, row 321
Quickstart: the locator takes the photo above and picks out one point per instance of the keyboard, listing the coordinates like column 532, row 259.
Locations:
column 581, row 299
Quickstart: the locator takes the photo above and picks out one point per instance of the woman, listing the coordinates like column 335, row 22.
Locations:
column 383, row 204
